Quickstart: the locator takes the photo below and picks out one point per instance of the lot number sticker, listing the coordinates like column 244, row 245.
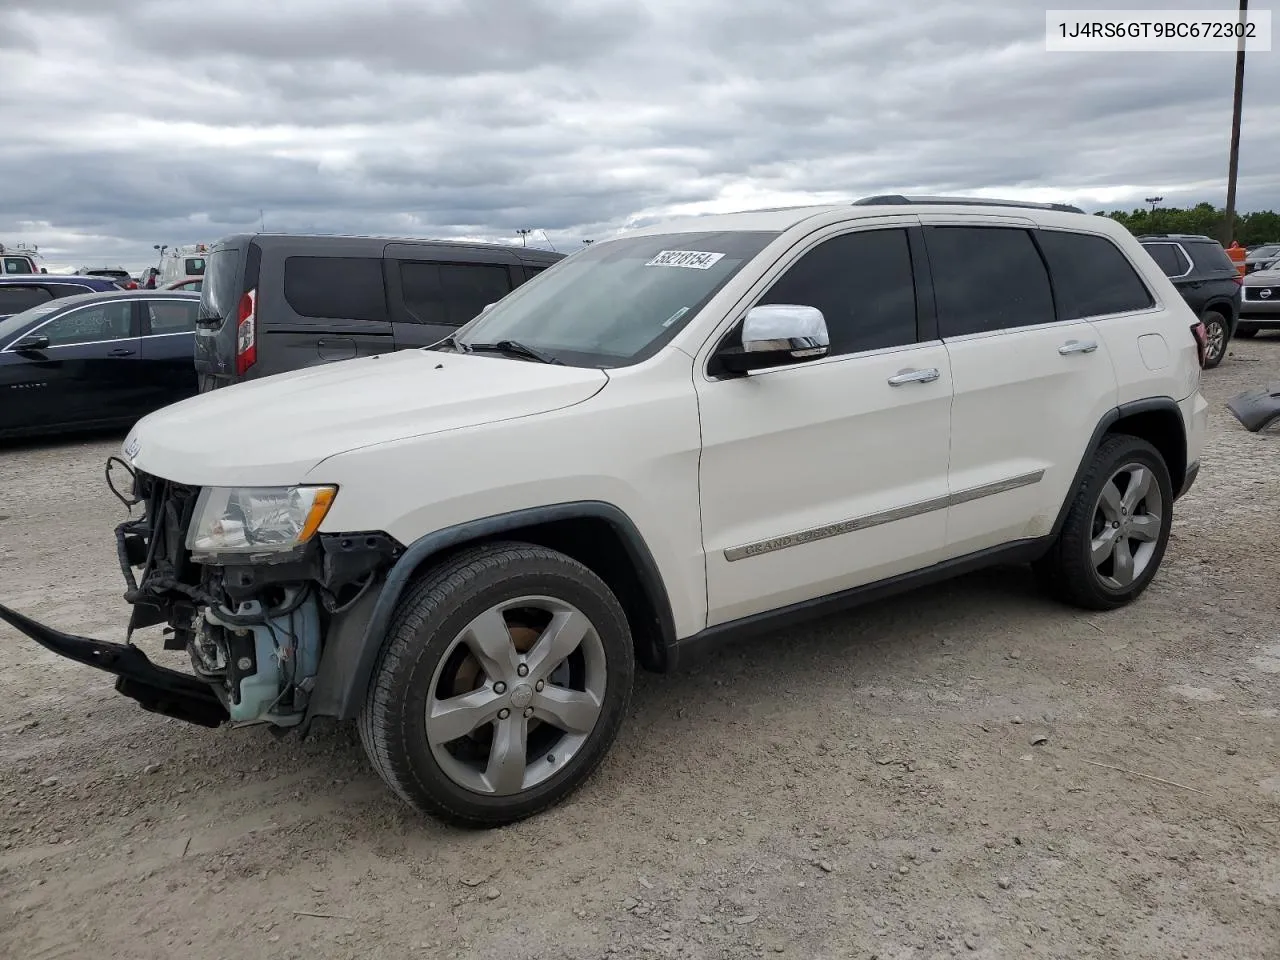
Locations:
column 693, row 259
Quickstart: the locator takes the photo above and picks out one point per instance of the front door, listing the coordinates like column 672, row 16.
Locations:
column 829, row 474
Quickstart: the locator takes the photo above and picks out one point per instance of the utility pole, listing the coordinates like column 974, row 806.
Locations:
column 524, row 236
column 1233, row 164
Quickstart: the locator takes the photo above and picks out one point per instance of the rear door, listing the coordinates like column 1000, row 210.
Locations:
column 168, row 335
column 230, row 271
column 433, row 290
column 325, row 307
column 88, row 371
column 1031, row 381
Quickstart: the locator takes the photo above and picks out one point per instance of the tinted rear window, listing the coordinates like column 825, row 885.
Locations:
column 1169, row 258
column 1212, row 257
column 335, row 288
column 1091, row 276
column 15, row 299
column 16, row 265
column 195, row 266
column 222, row 288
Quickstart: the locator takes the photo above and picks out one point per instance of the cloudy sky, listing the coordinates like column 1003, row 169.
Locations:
column 128, row 123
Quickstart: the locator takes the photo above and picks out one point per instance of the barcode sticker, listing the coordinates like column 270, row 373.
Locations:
column 693, row 259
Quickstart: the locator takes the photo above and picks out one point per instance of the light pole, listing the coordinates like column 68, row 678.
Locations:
column 524, row 236
column 1233, row 163
column 1153, row 201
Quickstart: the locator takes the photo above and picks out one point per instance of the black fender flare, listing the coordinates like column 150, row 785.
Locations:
column 354, row 681
column 1108, row 420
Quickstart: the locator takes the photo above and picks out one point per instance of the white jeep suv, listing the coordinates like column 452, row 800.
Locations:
column 666, row 439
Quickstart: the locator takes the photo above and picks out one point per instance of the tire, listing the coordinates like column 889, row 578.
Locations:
column 1217, row 330
column 1247, row 331
column 1068, row 570
column 435, row 652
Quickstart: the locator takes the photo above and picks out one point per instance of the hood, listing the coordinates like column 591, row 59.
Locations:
column 272, row 431
column 1263, row 278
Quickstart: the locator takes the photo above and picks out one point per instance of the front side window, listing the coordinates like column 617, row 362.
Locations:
column 618, row 302
column 863, row 284
column 1169, row 258
column 335, row 288
column 172, row 316
column 102, row 321
column 1091, row 276
column 450, row 294
column 987, row 279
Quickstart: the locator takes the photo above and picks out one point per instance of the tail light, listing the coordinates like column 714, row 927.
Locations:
column 247, row 332
column 1202, row 341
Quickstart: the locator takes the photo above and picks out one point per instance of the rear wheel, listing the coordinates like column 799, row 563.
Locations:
column 1116, row 530
column 504, row 681
column 1217, row 333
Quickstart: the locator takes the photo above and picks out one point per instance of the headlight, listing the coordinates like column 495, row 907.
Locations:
column 256, row 520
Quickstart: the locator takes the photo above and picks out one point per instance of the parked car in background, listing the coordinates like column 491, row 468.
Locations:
column 95, row 360
column 17, row 261
column 19, row 292
column 1262, row 257
column 182, row 263
column 1207, row 279
column 272, row 303
column 122, row 277
column 1260, row 307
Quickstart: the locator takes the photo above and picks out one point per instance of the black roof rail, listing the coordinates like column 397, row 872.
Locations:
column 894, row 199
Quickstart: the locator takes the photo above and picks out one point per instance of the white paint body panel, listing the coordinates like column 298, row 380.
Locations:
column 418, row 441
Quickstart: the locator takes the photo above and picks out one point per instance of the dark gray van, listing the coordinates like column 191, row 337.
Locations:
column 272, row 303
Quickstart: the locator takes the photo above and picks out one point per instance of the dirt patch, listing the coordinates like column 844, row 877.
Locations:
column 927, row 777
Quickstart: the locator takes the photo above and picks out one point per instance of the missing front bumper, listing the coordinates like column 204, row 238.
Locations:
column 157, row 689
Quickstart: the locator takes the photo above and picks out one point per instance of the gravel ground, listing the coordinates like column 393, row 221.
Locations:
column 967, row 771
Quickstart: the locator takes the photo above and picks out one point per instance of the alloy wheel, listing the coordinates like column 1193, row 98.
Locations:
column 1126, row 526
column 516, row 695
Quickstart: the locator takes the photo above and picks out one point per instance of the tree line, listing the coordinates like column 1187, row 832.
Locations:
column 1261, row 226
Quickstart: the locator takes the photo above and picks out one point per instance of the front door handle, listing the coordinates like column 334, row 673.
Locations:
column 120, row 353
column 1078, row 346
column 927, row 375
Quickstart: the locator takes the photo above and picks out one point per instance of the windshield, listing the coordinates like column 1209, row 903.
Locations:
column 617, row 302
column 11, row 325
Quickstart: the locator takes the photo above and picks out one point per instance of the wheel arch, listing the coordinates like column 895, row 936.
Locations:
column 1157, row 420
column 595, row 533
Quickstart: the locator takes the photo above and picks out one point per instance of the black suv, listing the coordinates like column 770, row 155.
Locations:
column 1207, row 279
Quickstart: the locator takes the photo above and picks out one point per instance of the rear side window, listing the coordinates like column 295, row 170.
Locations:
column 987, row 278
column 1211, row 257
column 450, row 294
column 172, row 316
column 1091, row 276
column 195, row 266
column 1169, row 258
column 16, row 299
column 16, row 265
column 335, row 288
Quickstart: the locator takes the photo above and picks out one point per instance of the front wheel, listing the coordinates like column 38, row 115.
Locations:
column 1116, row 529
column 503, row 682
column 1217, row 334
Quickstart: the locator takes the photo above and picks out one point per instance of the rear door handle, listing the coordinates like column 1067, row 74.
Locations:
column 120, row 353
column 1078, row 346
column 927, row 375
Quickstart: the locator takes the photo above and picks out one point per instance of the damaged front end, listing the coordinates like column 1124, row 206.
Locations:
column 245, row 584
